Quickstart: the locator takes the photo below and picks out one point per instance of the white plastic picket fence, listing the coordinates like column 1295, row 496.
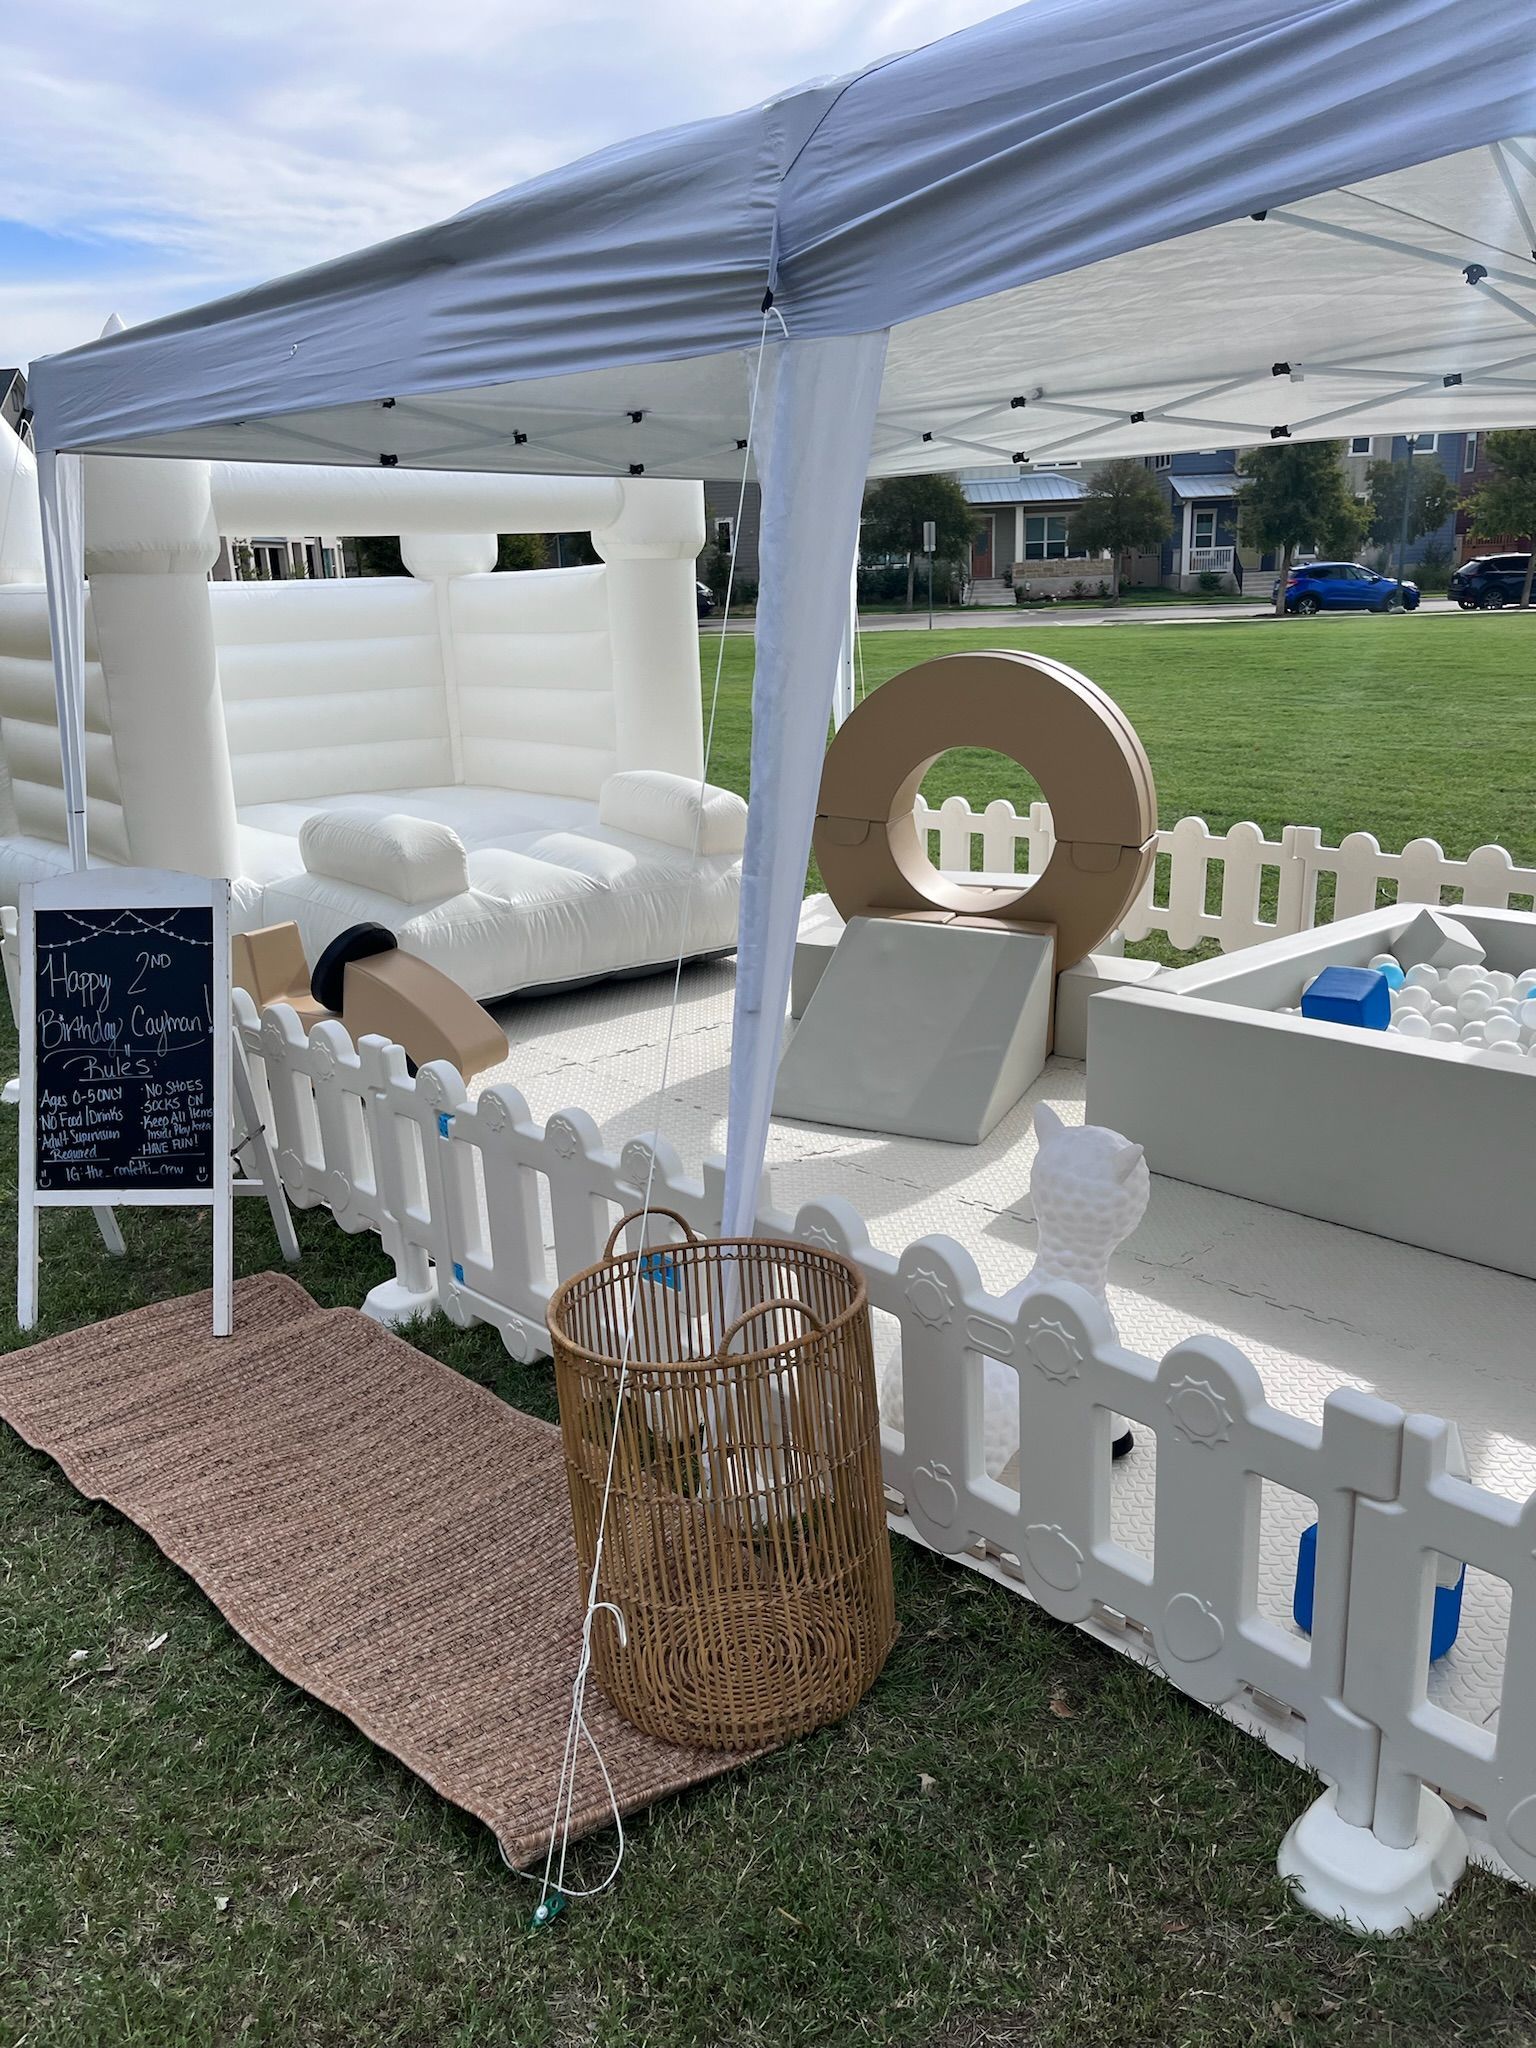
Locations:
column 482, row 1210
column 1174, row 901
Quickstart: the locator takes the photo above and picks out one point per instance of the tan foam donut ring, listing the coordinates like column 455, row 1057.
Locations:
column 1065, row 730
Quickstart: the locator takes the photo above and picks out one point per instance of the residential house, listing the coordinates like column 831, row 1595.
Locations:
column 731, row 520
column 1456, row 454
column 278, row 558
column 1203, row 542
column 1023, row 527
column 1023, row 533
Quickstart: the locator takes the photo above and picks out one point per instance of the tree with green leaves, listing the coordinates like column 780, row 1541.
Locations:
column 1506, row 504
column 1123, row 507
column 377, row 555
column 894, row 512
column 1428, row 492
column 522, row 551
column 1295, row 494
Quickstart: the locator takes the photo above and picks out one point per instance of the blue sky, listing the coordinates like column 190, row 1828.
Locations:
column 154, row 153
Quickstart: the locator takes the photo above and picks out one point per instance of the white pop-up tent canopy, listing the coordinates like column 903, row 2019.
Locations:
column 1087, row 227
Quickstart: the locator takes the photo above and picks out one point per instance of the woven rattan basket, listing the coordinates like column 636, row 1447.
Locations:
column 745, row 1544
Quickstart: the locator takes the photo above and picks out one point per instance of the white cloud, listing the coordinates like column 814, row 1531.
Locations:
column 192, row 150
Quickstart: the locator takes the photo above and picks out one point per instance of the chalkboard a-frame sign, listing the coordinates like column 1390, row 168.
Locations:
column 125, row 1055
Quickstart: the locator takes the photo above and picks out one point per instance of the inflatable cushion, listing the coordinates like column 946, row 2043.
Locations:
column 554, row 897
column 653, row 804
column 414, row 860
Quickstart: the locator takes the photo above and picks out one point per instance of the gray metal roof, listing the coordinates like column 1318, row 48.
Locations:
column 1223, row 484
column 1028, row 488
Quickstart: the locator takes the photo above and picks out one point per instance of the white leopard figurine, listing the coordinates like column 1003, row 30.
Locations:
column 1090, row 1188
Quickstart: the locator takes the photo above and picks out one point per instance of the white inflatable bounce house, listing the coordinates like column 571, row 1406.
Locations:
column 504, row 769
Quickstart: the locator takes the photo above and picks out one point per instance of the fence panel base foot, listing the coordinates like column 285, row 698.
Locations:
column 392, row 1302
column 1343, row 1872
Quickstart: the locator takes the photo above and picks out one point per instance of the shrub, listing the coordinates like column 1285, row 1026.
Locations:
column 1434, row 568
column 1210, row 582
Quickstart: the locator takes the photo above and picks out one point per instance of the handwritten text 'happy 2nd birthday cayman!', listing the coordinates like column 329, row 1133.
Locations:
column 125, row 1049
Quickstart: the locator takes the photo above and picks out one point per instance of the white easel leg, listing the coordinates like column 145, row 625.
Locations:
column 26, row 1263
column 267, row 1174
column 110, row 1229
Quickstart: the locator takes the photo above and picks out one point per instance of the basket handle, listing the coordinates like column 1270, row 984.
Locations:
column 764, row 1308
column 624, row 1222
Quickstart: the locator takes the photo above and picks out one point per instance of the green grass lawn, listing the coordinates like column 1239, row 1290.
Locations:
column 1019, row 1841
column 1401, row 726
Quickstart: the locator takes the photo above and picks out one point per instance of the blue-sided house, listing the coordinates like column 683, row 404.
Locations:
column 1202, row 501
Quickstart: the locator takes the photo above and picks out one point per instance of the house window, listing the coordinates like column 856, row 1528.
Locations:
column 1469, row 453
column 1425, row 444
column 1360, row 444
column 1045, row 538
column 1205, row 529
column 725, row 536
column 1161, row 461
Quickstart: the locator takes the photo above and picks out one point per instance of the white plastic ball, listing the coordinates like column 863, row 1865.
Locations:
column 1413, row 1024
column 1528, row 1015
column 1501, row 1030
column 1443, row 1033
column 1460, row 979
column 1473, row 1034
column 1422, row 976
column 1474, row 1003
column 1502, row 982
column 1418, row 999
column 1446, row 1013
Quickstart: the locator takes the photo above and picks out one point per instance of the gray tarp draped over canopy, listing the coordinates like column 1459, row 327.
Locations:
column 1035, row 237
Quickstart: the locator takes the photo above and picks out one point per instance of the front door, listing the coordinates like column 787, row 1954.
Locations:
column 981, row 551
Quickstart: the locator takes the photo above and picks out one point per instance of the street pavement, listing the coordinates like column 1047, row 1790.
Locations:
column 994, row 618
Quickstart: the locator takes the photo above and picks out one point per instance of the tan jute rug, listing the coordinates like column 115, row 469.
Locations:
column 389, row 1536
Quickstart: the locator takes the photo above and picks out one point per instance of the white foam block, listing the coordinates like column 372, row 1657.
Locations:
column 921, row 1030
column 1090, row 977
column 1436, row 940
column 821, row 927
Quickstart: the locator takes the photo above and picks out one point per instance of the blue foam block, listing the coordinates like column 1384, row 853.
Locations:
column 1444, row 1623
column 1350, row 995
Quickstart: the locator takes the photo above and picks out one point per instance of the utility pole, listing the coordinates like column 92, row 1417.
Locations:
column 1410, row 442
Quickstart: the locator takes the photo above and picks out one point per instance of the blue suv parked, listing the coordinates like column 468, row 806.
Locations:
column 1345, row 587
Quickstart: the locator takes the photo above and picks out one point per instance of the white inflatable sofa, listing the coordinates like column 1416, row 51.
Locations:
column 504, row 769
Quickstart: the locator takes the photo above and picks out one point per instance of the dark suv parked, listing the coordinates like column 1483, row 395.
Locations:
column 1490, row 581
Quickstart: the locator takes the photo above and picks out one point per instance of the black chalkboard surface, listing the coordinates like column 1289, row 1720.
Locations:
column 125, row 1050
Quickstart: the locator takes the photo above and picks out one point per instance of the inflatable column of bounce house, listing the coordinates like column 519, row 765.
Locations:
column 503, row 769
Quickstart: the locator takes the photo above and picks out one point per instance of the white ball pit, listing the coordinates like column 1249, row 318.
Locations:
column 1210, row 1071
